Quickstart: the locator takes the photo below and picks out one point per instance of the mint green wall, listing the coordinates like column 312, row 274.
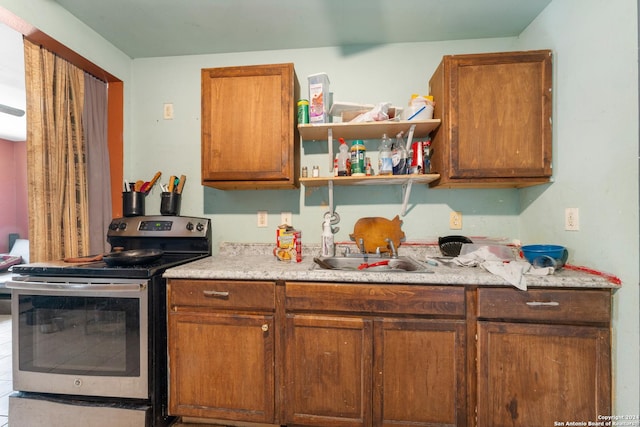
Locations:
column 383, row 73
column 595, row 157
column 595, row 144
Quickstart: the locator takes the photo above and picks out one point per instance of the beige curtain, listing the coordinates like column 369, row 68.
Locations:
column 56, row 171
column 94, row 119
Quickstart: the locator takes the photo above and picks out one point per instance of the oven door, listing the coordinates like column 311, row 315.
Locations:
column 78, row 336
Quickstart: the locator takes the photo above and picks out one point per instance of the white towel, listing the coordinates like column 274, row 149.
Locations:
column 513, row 272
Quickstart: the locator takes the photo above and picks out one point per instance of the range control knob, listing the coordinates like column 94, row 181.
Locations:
column 122, row 226
column 200, row 226
column 113, row 226
column 190, row 226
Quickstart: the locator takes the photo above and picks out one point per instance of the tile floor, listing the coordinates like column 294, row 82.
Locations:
column 5, row 368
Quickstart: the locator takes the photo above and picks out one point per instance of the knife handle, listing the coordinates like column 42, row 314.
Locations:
column 181, row 184
column 172, row 180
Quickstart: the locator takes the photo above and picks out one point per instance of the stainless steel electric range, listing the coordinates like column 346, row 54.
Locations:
column 90, row 338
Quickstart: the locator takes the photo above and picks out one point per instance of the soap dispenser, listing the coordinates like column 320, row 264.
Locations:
column 328, row 247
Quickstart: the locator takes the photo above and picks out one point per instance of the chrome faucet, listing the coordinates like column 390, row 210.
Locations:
column 392, row 247
column 361, row 246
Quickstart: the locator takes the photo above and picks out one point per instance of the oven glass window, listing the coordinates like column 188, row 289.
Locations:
column 79, row 335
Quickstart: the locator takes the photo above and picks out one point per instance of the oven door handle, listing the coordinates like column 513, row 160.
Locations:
column 75, row 286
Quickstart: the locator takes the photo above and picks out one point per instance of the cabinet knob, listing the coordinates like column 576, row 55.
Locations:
column 265, row 327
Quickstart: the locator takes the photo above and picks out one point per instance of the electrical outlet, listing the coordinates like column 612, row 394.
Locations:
column 455, row 220
column 571, row 219
column 262, row 219
column 167, row 111
column 285, row 218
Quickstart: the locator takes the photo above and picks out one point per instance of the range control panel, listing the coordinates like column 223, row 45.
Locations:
column 159, row 226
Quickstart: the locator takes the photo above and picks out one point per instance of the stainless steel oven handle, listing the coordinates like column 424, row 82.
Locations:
column 84, row 287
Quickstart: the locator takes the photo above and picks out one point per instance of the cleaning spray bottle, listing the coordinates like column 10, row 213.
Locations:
column 328, row 247
column 399, row 156
column 343, row 159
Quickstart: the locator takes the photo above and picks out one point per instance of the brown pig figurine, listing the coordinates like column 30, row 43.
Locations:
column 374, row 230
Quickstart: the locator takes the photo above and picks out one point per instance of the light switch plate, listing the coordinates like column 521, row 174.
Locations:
column 262, row 219
column 167, row 111
column 286, row 218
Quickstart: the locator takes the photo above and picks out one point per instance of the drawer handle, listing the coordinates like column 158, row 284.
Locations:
column 216, row 294
column 541, row 303
column 265, row 328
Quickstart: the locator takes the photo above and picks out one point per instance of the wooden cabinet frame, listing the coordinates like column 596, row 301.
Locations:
column 496, row 120
column 249, row 137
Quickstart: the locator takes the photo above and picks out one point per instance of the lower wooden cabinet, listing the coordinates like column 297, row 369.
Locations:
column 328, row 375
column 353, row 371
column 419, row 372
column 357, row 354
column 535, row 375
column 552, row 366
column 403, row 365
column 221, row 350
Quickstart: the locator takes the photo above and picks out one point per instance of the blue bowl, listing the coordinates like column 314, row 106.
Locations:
column 556, row 252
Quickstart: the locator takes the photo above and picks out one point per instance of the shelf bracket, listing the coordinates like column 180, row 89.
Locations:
column 406, row 192
column 330, row 188
column 330, row 149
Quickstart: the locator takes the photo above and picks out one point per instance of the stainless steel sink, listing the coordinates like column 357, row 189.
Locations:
column 371, row 263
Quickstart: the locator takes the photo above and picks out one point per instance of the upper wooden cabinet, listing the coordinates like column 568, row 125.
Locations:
column 495, row 110
column 249, row 137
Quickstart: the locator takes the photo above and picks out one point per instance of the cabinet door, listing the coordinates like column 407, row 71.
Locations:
column 535, row 375
column 222, row 366
column 328, row 377
column 249, row 137
column 496, row 113
column 419, row 373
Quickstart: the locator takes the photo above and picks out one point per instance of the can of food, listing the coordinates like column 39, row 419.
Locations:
column 303, row 111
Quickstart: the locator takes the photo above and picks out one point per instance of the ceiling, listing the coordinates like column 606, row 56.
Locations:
column 156, row 28
column 152, row 28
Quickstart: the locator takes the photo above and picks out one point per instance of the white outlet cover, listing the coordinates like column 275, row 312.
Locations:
column 572, row 219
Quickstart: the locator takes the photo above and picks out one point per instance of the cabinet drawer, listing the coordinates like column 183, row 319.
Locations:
column 222, row 294
column 400, row 299
column 545, row 305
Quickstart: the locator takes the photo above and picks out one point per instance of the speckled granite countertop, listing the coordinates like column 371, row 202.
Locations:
column 256, row 262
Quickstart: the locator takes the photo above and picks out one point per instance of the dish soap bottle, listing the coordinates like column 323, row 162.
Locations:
column 399, row 156
column 328, row 247
column 343, row 159
column 385, row 166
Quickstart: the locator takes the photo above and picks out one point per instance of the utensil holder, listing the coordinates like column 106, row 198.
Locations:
column 132, row 203
column 170, row 203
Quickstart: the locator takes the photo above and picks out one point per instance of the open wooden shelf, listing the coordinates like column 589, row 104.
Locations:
column 369, row 180
column 368, row 130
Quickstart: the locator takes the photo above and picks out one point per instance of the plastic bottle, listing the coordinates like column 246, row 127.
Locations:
column 399, row 156
column 328, row 247
column 343, row 159
column 385, row 166
column 358, row 152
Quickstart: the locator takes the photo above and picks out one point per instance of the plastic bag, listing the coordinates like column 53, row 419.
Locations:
column 377, row 114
